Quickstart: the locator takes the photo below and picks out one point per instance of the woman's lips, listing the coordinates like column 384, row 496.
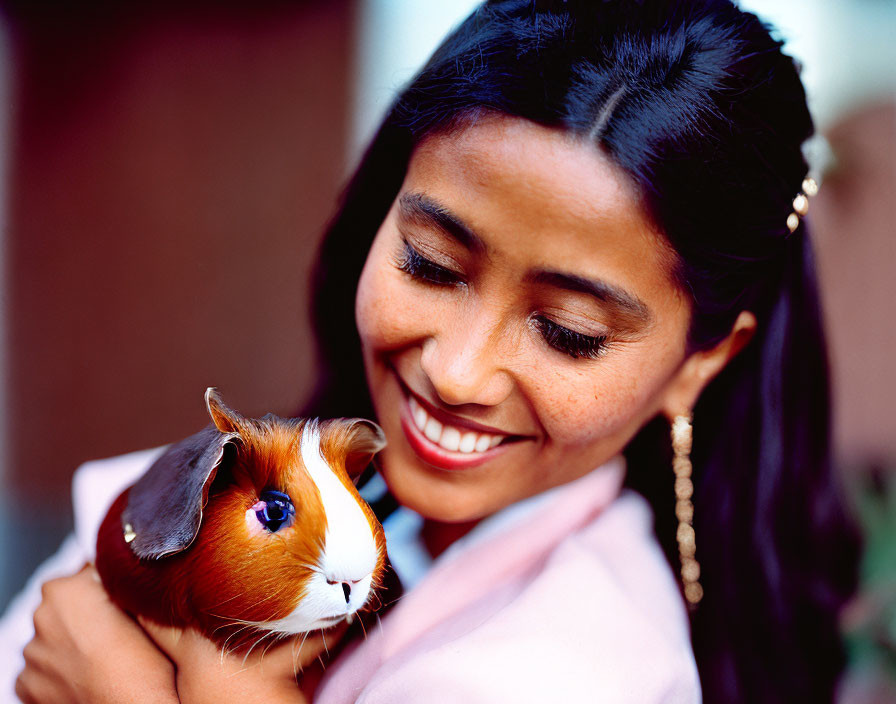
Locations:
column 448, row 418
column 428, row 444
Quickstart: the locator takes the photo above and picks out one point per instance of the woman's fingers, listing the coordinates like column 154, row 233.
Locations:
column 270, row 671
column 33, row 685
column 284, row 657
column 168, row 639
column 85, row 649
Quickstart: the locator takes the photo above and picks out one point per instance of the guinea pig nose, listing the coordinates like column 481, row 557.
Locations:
column 346, row 587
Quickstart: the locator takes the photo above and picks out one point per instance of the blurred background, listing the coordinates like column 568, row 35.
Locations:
column 168, row 168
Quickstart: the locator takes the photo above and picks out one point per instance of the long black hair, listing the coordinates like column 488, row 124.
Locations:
column 696, row 102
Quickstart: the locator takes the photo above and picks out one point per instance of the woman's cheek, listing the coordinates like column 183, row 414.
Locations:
column 389, row 312
column 375, row 304
column 602, row 401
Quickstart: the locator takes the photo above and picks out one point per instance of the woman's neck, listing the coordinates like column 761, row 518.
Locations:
column 438, row 536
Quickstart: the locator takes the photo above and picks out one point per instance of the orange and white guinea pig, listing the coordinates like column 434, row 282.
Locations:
column 250, row 528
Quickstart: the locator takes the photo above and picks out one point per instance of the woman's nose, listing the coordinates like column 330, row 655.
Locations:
column 465, row 360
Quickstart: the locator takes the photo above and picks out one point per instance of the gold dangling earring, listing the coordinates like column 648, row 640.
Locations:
column 682, row 441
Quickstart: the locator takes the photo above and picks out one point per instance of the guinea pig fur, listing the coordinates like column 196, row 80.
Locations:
column 250, row 528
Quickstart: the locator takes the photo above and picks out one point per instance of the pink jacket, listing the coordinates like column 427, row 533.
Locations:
column 571, row 601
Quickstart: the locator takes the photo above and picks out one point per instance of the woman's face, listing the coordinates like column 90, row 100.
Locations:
column 518, row 318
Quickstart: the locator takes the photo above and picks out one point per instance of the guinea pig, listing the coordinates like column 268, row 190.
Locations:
column 249, row 529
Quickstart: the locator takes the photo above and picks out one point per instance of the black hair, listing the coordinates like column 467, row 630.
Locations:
column 697, row 104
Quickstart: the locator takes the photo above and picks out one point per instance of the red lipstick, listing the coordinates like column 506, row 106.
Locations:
column 437, row 456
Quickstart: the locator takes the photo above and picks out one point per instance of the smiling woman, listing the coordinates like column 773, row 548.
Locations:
column 578, row 230
column 580, row 222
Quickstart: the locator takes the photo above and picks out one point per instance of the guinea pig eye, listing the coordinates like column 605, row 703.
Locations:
column 277, row 511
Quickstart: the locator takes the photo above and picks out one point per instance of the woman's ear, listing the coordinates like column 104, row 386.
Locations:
column 702, row 366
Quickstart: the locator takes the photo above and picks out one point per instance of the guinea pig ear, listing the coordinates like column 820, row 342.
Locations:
column 225, row 418
column 164, row 509
column 361, row 439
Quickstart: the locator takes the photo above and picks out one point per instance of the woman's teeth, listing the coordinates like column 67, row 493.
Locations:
column 448, row 437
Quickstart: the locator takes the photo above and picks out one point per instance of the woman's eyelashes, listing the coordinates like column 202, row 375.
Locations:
column 570, row 342
column 575, row 344
column 419, row 267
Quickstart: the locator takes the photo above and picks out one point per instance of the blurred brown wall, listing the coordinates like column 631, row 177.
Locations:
column 852, row 219
column 173, row 166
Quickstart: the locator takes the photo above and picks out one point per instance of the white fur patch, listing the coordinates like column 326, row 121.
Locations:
column 349, row 550
column 323, row 605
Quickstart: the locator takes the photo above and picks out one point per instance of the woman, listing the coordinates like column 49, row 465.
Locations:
column 576, row 225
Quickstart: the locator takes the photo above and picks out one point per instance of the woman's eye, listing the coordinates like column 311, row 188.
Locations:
column 575, row 344
column 412, row 262
column 275, row 510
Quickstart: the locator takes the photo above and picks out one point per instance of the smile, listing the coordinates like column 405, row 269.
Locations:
column 447, row 446
column 449, row 437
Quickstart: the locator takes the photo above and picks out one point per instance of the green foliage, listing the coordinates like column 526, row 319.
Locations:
column 869, row 622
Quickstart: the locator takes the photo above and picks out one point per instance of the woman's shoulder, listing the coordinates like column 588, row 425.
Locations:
column 622, row 546
column 602, row 620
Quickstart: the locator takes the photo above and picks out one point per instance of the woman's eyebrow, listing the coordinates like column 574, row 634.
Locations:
column 416, row 206
column 601, row 290
column 421, row 208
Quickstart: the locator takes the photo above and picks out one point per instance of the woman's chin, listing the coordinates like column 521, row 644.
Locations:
column 435, row 497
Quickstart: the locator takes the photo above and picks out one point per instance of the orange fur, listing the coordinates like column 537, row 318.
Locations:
column 229, row 575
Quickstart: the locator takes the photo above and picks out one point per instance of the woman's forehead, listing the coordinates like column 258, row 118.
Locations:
column 535, row 192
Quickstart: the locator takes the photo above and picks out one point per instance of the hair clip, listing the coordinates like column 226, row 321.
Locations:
column 801, row 203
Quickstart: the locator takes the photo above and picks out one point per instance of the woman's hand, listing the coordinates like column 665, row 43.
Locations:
column 85, row 649
column 265, row 674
